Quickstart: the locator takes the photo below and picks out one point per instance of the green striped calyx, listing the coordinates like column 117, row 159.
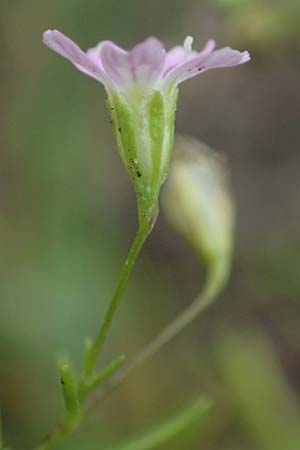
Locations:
column 144, row 127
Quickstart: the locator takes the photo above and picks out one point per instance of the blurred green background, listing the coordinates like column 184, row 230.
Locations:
column 68, row 216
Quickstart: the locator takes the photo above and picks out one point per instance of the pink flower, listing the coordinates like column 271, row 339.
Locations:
column 147, row 64
column 142, row 92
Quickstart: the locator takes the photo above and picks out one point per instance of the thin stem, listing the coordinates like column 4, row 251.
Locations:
column 134, row 251
column 216, row 279
column 85, row 388
column 67, row 426
column 58, row 434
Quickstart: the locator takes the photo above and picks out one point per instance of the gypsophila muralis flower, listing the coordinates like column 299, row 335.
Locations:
column 141, row 85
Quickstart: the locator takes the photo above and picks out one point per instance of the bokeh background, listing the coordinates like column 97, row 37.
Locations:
column 68, row 216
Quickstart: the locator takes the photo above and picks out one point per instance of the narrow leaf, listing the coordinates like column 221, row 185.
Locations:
column 69, row 390
column 97, row 379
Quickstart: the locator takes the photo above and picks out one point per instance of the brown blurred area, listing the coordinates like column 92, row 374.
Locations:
column 68, row 215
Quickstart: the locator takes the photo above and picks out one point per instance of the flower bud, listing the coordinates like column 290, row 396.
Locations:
column 197, row 199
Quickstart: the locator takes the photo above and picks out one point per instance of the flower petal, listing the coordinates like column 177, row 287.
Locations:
column 115, row 62
column 225, row 57
column 183, row 71
column 175, row 57
column 65, row 47
column 94, row 55
column 143, row 64
column 147, row 60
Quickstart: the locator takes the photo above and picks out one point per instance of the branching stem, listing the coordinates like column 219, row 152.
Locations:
column 67, row 426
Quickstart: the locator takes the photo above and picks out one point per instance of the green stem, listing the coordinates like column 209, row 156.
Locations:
column 91, row 383
column 216, row 279
column 67, row 426
column 58, row 434
column 212, row 288
column 141, row 236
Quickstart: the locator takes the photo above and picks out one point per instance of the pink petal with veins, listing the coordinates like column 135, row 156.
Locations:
column 65, row 47
column 115, row 62
column 94, row 55
column 143, row 64
column 184, row 69
column 225, row 57
column 147, row 60
column 175, row 57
